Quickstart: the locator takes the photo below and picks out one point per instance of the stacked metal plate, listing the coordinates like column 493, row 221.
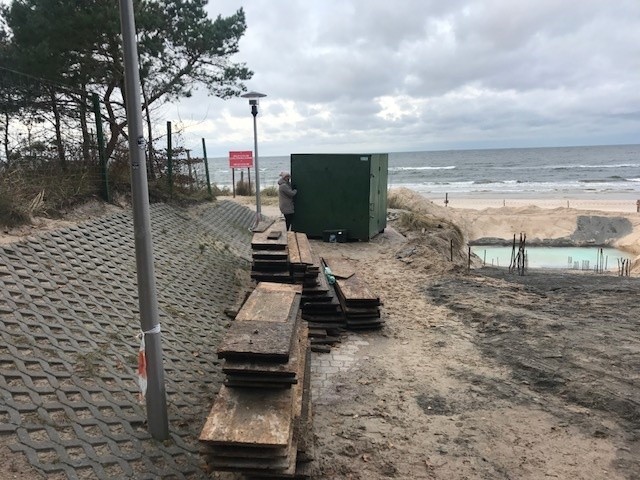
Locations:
column 360, row 305
column 261, row 414
column 270, row 255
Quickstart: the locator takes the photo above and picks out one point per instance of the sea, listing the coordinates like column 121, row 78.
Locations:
column 611, row 171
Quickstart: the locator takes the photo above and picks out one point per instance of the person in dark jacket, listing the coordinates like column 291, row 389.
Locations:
column 285, row 198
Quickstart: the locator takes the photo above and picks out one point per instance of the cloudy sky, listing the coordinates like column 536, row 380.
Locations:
column 409, row 75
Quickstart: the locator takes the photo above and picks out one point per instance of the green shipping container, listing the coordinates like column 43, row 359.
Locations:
column 340, row 192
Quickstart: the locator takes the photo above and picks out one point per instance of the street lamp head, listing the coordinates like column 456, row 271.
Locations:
column 253, row 97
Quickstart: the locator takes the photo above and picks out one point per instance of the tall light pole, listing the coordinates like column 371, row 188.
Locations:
column 253, row 101
column 157, row 417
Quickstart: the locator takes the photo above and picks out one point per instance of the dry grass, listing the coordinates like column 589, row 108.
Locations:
column 417, row 222
column 422, row 215
column 43, row 190
column 271, row 191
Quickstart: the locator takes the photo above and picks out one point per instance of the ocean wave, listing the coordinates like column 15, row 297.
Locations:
column 569, row 167
column 513, row 187
column 408, row 169
column 484, row 181
column 613, row 178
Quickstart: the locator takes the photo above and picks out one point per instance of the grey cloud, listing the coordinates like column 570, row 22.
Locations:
column 542, row 70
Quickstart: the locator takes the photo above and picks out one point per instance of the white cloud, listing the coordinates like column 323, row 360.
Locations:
column 353, row 75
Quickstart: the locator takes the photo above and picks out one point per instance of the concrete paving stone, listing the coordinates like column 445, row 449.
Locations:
column 342, row 358
column 331, row 370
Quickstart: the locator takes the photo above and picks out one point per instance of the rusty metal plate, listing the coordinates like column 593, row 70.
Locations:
column 269, row 306
column 340, row 267
column 257, row 340
column 250, row 417
column 356, row 292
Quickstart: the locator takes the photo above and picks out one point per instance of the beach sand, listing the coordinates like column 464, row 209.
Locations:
column 539, row 218
column 479, row 373
column 482, row 374
column 583, row 201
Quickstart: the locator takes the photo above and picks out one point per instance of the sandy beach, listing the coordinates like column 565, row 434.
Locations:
column 477, row 373
column 586, row 202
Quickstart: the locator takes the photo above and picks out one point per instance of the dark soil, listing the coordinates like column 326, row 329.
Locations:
column 573, row 338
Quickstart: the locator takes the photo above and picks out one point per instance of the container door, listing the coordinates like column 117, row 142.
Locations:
column 333, row 194
column 378, row 194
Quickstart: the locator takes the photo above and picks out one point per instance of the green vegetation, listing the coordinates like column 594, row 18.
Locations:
column 271, row 191
column 49, row 157
column 244, row 188
column 179, row 49
column 413, row 221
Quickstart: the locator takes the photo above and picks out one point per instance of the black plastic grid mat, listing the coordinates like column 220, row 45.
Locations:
column 68, row 348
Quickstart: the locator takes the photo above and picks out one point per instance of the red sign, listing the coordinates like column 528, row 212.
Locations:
column 241, row 159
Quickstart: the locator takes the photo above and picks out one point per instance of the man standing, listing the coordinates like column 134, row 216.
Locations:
column 285, row 197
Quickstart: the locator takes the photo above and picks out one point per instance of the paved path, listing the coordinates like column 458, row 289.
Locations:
column 68, row 348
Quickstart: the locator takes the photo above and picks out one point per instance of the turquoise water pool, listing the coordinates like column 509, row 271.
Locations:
column 578, row 258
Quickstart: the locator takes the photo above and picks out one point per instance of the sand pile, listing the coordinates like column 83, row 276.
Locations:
column 436, row 241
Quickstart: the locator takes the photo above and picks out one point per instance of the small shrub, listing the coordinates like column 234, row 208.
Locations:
column 244, row 188
column 220, row 192
column 12, row 213
column 411, row 221
column 271, row 191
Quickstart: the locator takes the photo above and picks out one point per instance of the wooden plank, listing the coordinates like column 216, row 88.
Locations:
column 317, row 332
column 340, row 267
column 269, row 266
column 263, row 225
column 266, row 385
column 265, row 325
column 262, row 276
column 275, row 287
column 240, row 464
column 314, row 299
column 320, row 286
column 355, row 311
column 257, row 471
column 269, row 305
column 297, row 408
column 320, row 348
column 269, row 254
column 292, row 244
column 245, row 451
column 270, row 370
column 261, row 240
column 257, row 341
column 306, row 255
column 303, row 430
column 250, row 418
column 354, row 289
column 245, row 378
column 322, row 308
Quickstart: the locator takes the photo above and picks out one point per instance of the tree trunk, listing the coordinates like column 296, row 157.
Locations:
column 150, row 153
column 86, row 137
column 115, row 129
column 58, row 126
column 5, row 139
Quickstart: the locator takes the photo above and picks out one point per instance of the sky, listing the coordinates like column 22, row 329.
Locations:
column 364, row 76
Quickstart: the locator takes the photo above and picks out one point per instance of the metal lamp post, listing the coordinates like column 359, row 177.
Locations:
column 157, row 416
column 253, row 101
